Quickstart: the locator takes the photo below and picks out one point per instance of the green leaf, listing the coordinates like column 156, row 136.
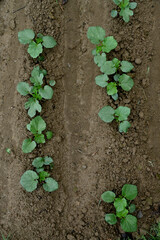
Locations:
column 49, row 42
column 94, row 52
column 114, row 13
column 126, row 13
column 115, row 97
column 132, row 5
column 37, row 125
column 35, row 49
column 29, row 181
column 126, row 82
column 129, row 191
column 106, row 114
column 96, row 34
column 43, row 175
column 109, row 44
column 123, row 126
column 33, row 106
column 39, row 138
column 108, row 196
column 26, row 36
column 100, row 59
column 46, row 92
column 122, row 113
column 38, row 170
column 117, row 2
column 129, row 224
column 50, row 185
column 28, row 145
column 49, row 135
column 23, row 88
column 116, row 63
column 37, row 76
column 48, row 160
column 8, row 150
column 122, row 213
column 132, row 208
column 40, row 35
column 120, row 204
column 38, row 162
column 52, row 83
column 124, row 3
column 126, row 66
column 116, row 77
column 111, row 219
column 112, row 88
column 108, row 68
column 101, row 80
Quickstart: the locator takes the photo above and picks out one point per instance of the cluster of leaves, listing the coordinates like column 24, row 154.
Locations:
column 154, row 233
column 123, row 207
column 37, row 92
column 36, row 44
column 30, row 179
column 108, row 114
column 124, row 9
column 36, row 127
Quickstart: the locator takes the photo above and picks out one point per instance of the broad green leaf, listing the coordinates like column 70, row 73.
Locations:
column 114, row 13
column 29, row 181
column 108, row 68
column 106, row 114
column 116, row 77
column 120, row 204
column 40, row 35
column 129, row 191
column 115, row 97
column 50, row 185
column 109, row 44
column 38, row 170
column 112, row 88
column 129, row 224
column 100, row 59
column 43, row 175
column 116, row 63
column 132, row 208
column 49, row 135
column 126, row 82
column 126, row 13
column 122, row 113
column 28, row 145
column 117, row 2
column 35, row 49
column 37, row 80
column 39, row 138
column 37, row 125
column 126, row 66
column 122, row 213
column 132, row 5
column 111, row 219
column 52, row 83
column 101, row 80
column 96, row 34
column 48, row 160
column 94, row 52
column 23, row 88
column 26, row 36
column 33, row 106
column 38, row 162
column 49, row 42
column 46, row 92
column 123, row 126
column 108, row 196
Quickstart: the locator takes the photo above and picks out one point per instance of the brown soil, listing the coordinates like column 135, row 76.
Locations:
column 89, row 155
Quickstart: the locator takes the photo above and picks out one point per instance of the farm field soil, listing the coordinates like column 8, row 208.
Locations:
column 90, row 156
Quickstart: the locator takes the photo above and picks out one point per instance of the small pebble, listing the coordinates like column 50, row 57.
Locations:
column 138, row 61
column 140, row 214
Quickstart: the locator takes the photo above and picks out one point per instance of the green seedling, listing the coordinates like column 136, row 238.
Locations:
column 124, row 9
column 8, row 150
column 108, row 114
column 123, row 208
column 37, row 92
column 30, row 179
column 36, row 44
column 6, row 238
column 36, row 127
column 116, row 68
column 154, row 233
column 97, row 36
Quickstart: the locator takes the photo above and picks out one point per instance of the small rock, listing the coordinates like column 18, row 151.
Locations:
column 12, row 24
column 84, row 166
column 70, row 237
column 141, row 114
column 138, row 61
column 140, row 214
column 127, row 100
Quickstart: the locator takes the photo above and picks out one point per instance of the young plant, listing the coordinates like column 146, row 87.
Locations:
column 30, row 179
column 123, row 207
column 108, row 114
column 154, row 233
column 119, row 79
column 36, row 127
column 36, row 44
column 97, row 36
column 37, row 92
column 6, row 238
column 124, row 9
